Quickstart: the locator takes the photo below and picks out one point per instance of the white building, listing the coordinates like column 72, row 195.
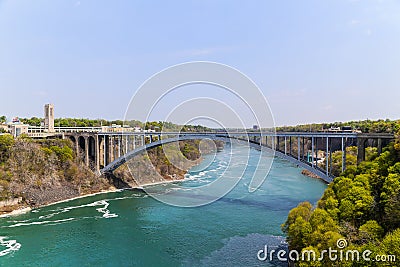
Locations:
column 17, row 128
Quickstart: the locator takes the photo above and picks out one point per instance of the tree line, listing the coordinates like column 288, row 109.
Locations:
column 366, row 126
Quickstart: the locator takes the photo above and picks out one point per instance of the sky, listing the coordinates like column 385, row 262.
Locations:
column 315, row 61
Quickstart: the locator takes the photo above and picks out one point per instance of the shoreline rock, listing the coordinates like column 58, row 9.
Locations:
column 310, row 174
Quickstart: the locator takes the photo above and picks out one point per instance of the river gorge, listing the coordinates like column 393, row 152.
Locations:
column 129, row 228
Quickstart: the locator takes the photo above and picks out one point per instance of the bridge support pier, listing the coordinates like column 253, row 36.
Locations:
column 110, row 149
column 361, row 149
column 77, row 147
column 343, row 154
column 278, row 144
column 312, row 151
column 316, row 152
column 298, row 148
column 327, row 156
column 285, row 146
column 104, row 151
column 97, row 153
column 86, row 151
column 379, row 146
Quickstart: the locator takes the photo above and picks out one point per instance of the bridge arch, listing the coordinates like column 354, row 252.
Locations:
column 252, row 143
column 121, row 160
column 72, row 138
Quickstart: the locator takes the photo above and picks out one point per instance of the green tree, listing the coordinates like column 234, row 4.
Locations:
column 371, row 231
column 6, row 142
column 391, row 244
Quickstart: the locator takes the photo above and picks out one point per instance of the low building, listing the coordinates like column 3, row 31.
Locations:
column 16, row 129
column 115, row 128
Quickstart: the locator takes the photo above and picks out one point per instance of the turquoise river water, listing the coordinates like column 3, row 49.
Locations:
column 129, row 228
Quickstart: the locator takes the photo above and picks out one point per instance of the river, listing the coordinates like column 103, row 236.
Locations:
column 129, row 228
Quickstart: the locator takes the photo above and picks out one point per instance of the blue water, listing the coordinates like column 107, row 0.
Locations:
column 129, row 228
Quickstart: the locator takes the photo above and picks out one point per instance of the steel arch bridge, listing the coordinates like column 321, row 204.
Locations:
column 109, row 150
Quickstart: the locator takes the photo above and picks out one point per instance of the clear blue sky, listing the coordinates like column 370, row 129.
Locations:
column 315, row 61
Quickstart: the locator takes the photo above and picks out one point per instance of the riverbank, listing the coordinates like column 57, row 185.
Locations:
column 23, row 209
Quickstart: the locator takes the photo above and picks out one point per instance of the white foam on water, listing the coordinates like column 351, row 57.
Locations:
column 122, row 198
column 11, row 245
column 105, row 211
column 38, row 223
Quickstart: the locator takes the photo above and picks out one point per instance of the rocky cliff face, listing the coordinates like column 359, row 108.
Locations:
column 45, row 171
column 166, row 163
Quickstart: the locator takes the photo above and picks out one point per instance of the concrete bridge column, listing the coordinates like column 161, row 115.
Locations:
column 273, row 142
column 105, row 150
column 298, row 148
column 97, row 153
column 126, row 145
column 343, row 154
column 316, row 152
column 312, row 151
column 77, row 146
column 327, row 156
column 290, row 145
column 285, row 146
column 86, row 151
column 277, row 143
column 110, row 148
column 330, row 155
column 361, row 149
column 119, row 145
column 379, row 146
column 115, row 145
